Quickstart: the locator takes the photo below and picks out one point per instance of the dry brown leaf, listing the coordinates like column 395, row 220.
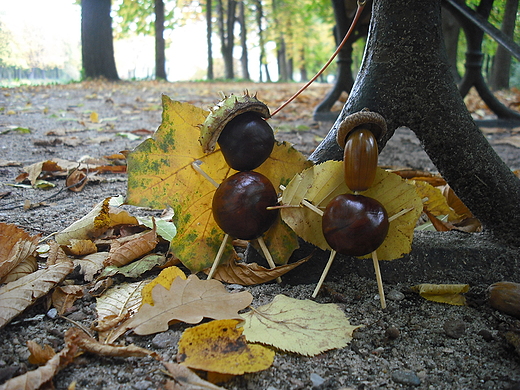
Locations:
column 33, row 380
column 16, row 296
column 63, row 297
column 87, row 343
column 185, row 379
column 39, row 355
column 76, row 180
column 139, row 245
column 80, row 247
column 55, row 254
column 27, row 266
column 248, row 274
column 189, row 301
column 16, row 245
column 90, row 265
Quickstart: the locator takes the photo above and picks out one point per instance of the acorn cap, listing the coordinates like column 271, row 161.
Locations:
column 225, row 110
column 363, row 119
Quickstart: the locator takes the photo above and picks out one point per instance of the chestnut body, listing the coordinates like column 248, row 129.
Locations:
column 240, row 202
column 246, row 141
column 355, row 225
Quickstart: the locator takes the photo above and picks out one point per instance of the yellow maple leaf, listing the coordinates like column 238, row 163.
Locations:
column 443, row 293
column 219, row 346
column 301, row 326
column 161, row 173
column 321, row 183
column 436, row 202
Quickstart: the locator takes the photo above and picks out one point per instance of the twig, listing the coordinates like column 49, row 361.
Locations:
column 379, row 280
column 324, row 273
column 218, row 257
column 267, row 255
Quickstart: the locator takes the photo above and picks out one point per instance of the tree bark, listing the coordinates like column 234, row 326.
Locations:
column 160, row 56
column 405, row 76
column 502, row 62
column 451, row 32
column 243, row 42
column 209, row 32
column 97, row 47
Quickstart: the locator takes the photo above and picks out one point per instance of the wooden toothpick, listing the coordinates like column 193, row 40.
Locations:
column 267, row 255
column 324, row 273
column 379, row 280
column 218, row 257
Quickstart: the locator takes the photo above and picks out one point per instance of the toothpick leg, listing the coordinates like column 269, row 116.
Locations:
column 218, row 257
column 268, row 256
column 379, row 280
column 324, row 273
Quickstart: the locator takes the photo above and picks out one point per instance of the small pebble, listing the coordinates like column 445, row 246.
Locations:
column 162, row 340
column 455, row 328
column 52, row 313
column 392, row 333
column 409, row 378
column 395, row 295
column 486, row 335
column 316, row 380
column 142, row 385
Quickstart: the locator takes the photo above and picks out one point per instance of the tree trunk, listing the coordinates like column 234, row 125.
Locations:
column 451, row 32
column 209, row 32
column 281, row 56
column 405, row 77
column 261, row 41
column 160, row 57
column 97, row 47
column 243, row 41
column 502, row 62
column 226, row 22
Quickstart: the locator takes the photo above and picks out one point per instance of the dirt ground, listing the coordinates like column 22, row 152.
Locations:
column 414, row 343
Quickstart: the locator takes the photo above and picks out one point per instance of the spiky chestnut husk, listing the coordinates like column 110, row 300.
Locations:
column 226, row 110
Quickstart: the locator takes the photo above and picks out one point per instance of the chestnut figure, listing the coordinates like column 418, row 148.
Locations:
column 355, row 225
column 246, row 141
column 240, row 205
column 360, row 159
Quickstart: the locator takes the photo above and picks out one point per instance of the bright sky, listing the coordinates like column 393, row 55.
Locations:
column 59, row 20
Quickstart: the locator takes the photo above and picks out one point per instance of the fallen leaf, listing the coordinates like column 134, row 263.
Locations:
column 27, row 266
column 443, row 293
column 139, row 245
column 34, row 379
column 165, row 279
column 189, row 301
column 301, row 326
column 185, row 379
column 249, row 274
column 76, row 336
column 16, row 296
column 219, row 346
column 321, row 183
column 63, row 297
column 80, row 247
column 76, row 180
column 103, row 216
column 17, row 245
column 91, row 264
column 436, row 202
column 135, row 268
column 39, row 355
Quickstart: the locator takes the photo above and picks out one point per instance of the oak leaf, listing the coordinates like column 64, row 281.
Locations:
column 165, row 279
column 219, row 346
column 301, row 326
column 189, row 301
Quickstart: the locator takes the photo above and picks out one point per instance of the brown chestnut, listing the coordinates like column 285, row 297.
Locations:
column 355, row 225
column 240, row 205
column 246, row 141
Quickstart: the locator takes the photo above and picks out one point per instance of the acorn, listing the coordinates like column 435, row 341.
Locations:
column 357, row 136
column 238, row 124
column 240, row 205
column 355, row 225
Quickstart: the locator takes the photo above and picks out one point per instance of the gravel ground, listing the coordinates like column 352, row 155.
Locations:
column 414, row 343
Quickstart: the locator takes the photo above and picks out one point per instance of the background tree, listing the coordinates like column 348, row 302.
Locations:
column 243, row 40
column 209, row 33
column 501, row 70
column 97, row 48
column 226, row 28
column 160, row 45
column 405, row 77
